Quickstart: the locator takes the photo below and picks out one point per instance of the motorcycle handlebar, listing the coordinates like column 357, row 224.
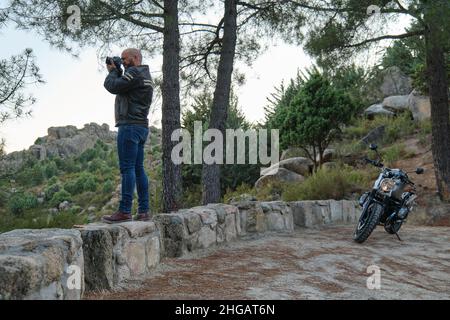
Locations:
column 375, row 163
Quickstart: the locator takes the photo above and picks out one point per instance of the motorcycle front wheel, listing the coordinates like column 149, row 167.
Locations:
column 368, row 221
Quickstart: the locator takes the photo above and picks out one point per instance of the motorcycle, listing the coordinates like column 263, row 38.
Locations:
column 388, row 203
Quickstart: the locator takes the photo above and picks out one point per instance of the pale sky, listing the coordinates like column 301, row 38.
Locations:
column 74, row 95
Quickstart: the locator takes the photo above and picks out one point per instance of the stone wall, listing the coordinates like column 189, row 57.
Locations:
column 116, row 253
column 40, row 264
column 34, row 264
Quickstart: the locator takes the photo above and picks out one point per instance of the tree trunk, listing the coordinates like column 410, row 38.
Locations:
column 211, row 173
column 438, row 87
column 170, row 106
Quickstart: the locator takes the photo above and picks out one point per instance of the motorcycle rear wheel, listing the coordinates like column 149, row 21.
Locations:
column 367, row 222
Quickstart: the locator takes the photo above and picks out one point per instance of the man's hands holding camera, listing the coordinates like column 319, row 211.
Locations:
column 114, row 63
column 110, row 67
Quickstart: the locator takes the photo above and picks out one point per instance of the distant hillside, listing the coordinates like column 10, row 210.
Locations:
column 67, row 177
column 64, row 142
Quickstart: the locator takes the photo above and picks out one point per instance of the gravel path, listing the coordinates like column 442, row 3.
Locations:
column 307, row 264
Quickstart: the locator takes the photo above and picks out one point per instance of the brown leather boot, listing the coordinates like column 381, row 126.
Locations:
column 143, row 216
column 117, row 217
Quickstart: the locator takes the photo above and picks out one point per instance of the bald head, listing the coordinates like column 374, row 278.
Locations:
column 131, row 57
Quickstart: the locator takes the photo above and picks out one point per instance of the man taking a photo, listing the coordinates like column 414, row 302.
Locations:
column 134, row 92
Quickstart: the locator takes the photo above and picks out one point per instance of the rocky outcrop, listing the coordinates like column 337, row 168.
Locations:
column 60, row 142
column 417, row 104
column 298, row 165
column 377, row 109
column 396, row 104
column 374, row 136
column 65, row 142
column 278, row 175
column 41, row 264
column 69, row 141
column 327, row 156
column 288, row 170
column 420, row 106
column 292, row 152
column 395, row 83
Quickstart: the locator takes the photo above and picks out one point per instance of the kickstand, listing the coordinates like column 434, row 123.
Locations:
column 398, row 237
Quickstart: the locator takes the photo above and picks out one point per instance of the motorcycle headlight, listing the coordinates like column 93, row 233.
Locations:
column 387, row 185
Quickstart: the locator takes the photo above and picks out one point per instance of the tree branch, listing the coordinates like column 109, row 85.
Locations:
column 18, row 82
column 131, row 19
column 401, row 36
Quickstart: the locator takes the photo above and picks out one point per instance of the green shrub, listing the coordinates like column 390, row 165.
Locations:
column 51, row 190
column 108, row 186
column 395, row 128
column 53, row 180
column 4, row 196
column 31, row 176
column 50, row 170
column 392, row 154
column 242, row 189
column 60, row 196
column 95, row 165
column 336, row 183
column 72, row 187
column 39, row 219
column 84, row 182
column 112, row 159
column 75, row 209
column 271, row 191
column 66, row 220
column 68, row 165
column 192, row 197
column 20, row 202
column 90, row 184
column 88, row 155
column 104, row 169
column 100, row 145
column 349, row 147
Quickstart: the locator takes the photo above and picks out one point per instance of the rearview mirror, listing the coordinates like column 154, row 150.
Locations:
column 373, row 147
column 419, row 170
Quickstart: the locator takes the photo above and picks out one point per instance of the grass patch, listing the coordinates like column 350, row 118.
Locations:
column 39, row 219
column 337, row 183
column 395, row 128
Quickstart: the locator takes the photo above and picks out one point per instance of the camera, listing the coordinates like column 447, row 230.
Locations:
column 117, row 61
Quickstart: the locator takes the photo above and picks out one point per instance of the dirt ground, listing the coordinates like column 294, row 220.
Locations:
column 307, row 264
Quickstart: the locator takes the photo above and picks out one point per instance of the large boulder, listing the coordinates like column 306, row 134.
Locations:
column 396, row 103
column 41, row 264
column 299, row 165
column 374, row 136
column 13, row 161
column 395, row 82
column 377, row 109
column 55, row 133
column 420, row 106
column 292, row 152
column 327, row 156
column 277, row 176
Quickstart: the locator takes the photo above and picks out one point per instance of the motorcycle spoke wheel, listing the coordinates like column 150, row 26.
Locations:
column 368, row 222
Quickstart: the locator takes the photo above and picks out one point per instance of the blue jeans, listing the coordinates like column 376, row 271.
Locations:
column 130, row 147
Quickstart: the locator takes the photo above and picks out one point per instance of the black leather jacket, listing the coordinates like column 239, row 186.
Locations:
column 134, row 93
